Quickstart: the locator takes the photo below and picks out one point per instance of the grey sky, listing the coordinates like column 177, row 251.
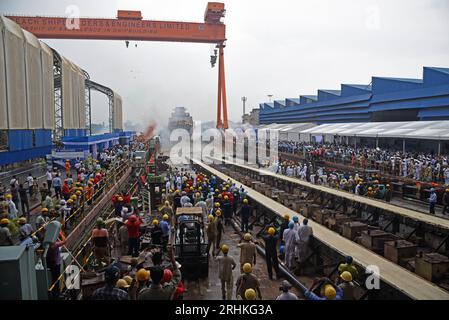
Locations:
column 284, row 48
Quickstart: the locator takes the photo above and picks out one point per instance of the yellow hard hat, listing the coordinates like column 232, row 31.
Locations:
column 165, row 217
column 163, row 190
column 217, row 204
column 4, row 221
column 329, row 292
column 167, row 203
column 200, row 188
column 191, row 188
column 286, row 217
column 370, row 189
column 247, row 268
column 245, row 201
column 346, row 276
column 171, row 190
column 226, row 197
column 142, row 275
column 73, row 197
column 22, row 220
column 271, row 231
column 247, row 237
column 224, row 188
column 78, row 193
column 155, row 222
column 8, row 196
column 44, row 210
column 120, row 199
column 216, row 190
column 219, row 195
column 250, row 294
column 447, row 190
column 121, row 283
column 70, row 201
column 218, row 213
column 211, row 217
column 128, row 279
column 225, row 248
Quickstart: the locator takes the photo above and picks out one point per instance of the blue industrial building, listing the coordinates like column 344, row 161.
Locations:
column 385, row 99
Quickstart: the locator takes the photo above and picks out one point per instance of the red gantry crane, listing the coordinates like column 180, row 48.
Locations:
column 130, row 25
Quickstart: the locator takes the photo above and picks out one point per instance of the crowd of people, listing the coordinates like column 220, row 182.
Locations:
column 219, row 203
column 418, row 166
column 373, row 185
column 63, row 196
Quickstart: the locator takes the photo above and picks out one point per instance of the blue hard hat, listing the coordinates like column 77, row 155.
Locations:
column 112, row 273
column 291, row 225
column 295, row 219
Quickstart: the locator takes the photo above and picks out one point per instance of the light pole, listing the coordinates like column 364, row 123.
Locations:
column 270, row 96
column 244, row 99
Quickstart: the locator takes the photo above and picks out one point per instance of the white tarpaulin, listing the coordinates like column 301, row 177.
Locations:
column 15, row 75
column 117, row 120
column 82, row 100
column 33, row 67
column 48, row 100
column 67, row 103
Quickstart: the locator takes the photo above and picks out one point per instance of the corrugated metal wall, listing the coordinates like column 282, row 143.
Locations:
column 3, row 104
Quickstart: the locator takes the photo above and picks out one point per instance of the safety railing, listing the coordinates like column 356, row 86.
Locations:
column 108, row 181
column 132, row 190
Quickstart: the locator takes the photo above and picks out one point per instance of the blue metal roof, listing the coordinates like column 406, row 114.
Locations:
column 429, row 95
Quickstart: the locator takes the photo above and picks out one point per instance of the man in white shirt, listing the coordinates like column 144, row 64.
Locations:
column 302, row 239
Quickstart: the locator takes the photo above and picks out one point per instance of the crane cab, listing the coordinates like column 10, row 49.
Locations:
column 129, row 15
column 214, row 12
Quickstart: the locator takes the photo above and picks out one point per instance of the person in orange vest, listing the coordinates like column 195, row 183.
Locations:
column 67, row 168
column 66, row 190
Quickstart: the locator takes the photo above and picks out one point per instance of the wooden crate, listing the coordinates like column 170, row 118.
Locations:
column 431, row 266
column 399, row 251
column 353, row 229
column 321, row 216
column 375, row 239
column 335, row 222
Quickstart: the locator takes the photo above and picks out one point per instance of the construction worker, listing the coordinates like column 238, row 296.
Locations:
column 348, row 266
column 142, row 278
column 305, row 233
column 122, row 284
column 67, row 168
column 12, row 209
column 100, row 242
column 346, row 285
column 226, row 208
column 156, row 233
column 250, row 294
column 157, row 291
column 226, row 264
column 245, row 214
column 284, row 226
column 220, row 227
column 446, row 201
column 247, row 251
column 286, row 295
column 165, row 228
column 371, row 192
column 5, row 234
column 271, row 255
column 432, row 201
column 110, row 291
column 247, row 281
column 388, row 193
column 123, row 239
column 133, row 225
column 166, row 209
column 25, row 229
column 328, row 292
column 118, row 206
column 290, row 245
column 54, row 261
column 211, row 232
